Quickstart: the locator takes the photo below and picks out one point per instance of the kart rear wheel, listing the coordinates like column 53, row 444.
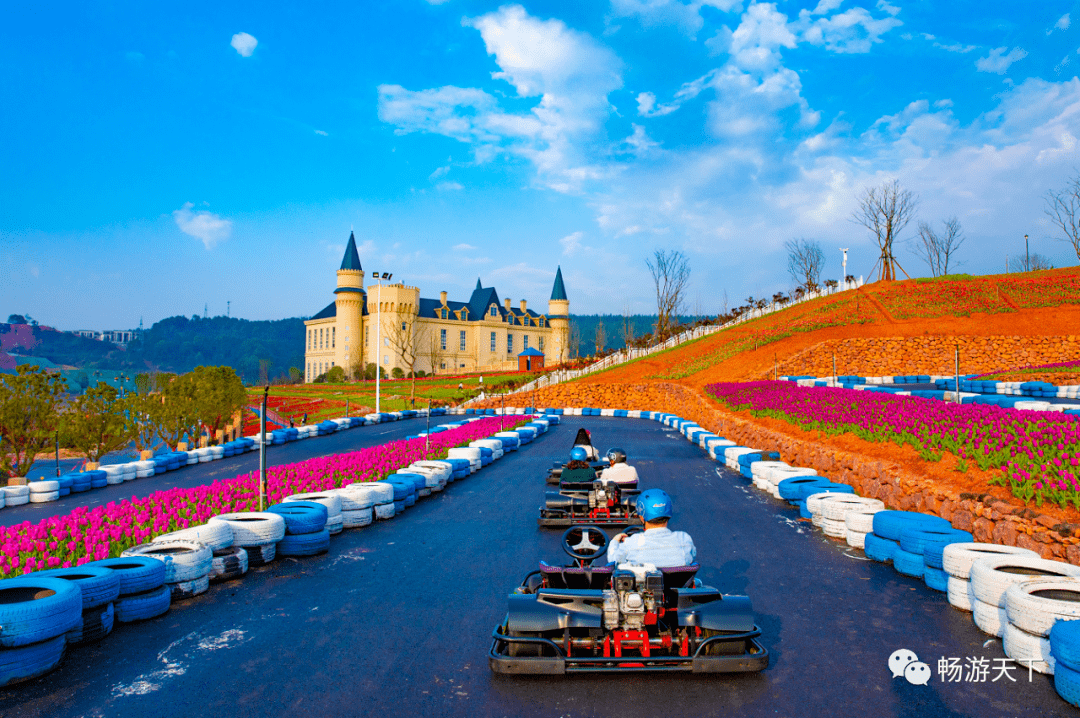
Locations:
column 720, row 648
column 524, row 650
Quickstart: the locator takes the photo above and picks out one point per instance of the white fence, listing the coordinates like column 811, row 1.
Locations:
column 623, row 356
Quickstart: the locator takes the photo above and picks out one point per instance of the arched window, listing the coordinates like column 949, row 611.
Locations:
column 541, row 322
column 464, row 315
column 494, row 310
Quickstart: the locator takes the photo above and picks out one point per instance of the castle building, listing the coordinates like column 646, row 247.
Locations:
column 392, row 325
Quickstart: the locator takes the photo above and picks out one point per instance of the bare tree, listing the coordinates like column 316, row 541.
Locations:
column 805, row 261
column 627, row 328
column 670, row 272
column 429, row 345
column 601, row 337
column 1063, row 209
column 724, row 308
column 936, row 249
column 574, row 339
column 885, row 211
column 1034, row 262
column 403, row 334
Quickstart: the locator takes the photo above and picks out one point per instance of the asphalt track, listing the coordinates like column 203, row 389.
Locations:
column 396, row 619
column 210, row 471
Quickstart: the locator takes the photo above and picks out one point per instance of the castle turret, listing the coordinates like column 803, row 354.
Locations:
column 559, row 318
column 349, row 298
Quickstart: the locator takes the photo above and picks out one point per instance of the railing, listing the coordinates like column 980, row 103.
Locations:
column 626, row 355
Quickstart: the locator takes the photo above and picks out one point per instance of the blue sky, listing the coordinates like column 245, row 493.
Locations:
column 162, row 157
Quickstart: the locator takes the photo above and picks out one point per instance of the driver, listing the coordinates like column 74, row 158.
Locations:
column 657, row 544
column 618, row 470
column 578, row 468
column 584, row 440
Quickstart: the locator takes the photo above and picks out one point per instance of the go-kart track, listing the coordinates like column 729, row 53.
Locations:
column 396, row 619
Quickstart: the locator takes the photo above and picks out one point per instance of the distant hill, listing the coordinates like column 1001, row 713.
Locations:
column 613, row 329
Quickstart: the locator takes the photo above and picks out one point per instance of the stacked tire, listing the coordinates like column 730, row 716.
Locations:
column 930, row 544
column 16, row 495
column 187, row 564
column 99, row 587
column 1033, row 608
column 36, row 613
column 305, row 528
column 991, row 578
column 335, row 520
column 227, row 561
column 257, row 532
column 834, row 507
column 957, row 561
column 142, row 593
column 1064, row 640
column 883, row 544
column 41, row 492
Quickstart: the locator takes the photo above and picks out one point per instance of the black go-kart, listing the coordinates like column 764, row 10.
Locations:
column 580, row 618
column 555, row 474
column 600, row 503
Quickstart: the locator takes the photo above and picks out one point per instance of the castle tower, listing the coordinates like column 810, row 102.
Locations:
column 349, row 298
column 559, row 318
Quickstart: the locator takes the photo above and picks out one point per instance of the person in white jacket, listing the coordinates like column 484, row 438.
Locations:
column 618, row 470
column 657, row 544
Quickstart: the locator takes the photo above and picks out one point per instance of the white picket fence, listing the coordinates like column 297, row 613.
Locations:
column 623, row 356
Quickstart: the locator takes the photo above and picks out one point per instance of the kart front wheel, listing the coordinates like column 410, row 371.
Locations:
column 524, row 650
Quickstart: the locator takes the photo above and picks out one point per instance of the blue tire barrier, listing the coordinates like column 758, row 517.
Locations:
column 791, row 489
column 935, row 578
column 96, row 623
column 1065, row 643
column 880, row 549
column 890, row 524
column 918, row 539
column 65, row 484
column 419, row 481
column 309, row 544
column 143, row 606
column 1067, row 684
column 35, row 609
column 804, row 512
column 933, row 554
column 97, row 584
column 136, row 574
column 402, row 491
column 907, row 563
column 26, row 662
column 301, row 517
column 98, row 481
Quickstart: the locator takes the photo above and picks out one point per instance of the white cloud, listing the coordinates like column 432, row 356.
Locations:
column 204, row 225
column 439, row 172
column 956, row 47
column 639, row 142
column 1062, row 24
column 852, row 31
column 684, row 15
column 448, row 186
column 571, row 243
column 436, row 2
column 998, row 61
column 463, row 247
column 244, row 44
column 322, row 133
column 1062, row 65
column 886, row 7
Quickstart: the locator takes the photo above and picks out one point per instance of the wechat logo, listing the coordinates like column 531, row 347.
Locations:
column 906, row 664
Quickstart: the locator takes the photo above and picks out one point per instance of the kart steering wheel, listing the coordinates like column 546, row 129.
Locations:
column 584, row 543
column 632, row 530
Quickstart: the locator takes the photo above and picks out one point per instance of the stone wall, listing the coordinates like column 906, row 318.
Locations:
column 891, row 356
column 988, row 518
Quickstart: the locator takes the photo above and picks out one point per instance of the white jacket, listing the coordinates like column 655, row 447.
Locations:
column 621, row 473
column 661, row 547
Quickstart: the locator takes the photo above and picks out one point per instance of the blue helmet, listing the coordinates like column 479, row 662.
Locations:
column 654, row 504
column 578, row 453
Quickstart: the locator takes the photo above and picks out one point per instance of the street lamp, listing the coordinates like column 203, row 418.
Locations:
column 844, row 250
column 378, row 333
column 1027, row 255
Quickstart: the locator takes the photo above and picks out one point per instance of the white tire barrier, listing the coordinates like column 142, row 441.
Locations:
column 991, row 577
column 41, row 492
column 330, row 499
column 960, row 595
column 215, row 535
column 16, row 495
column 836, row 507
column 1027, row 650
column 358, row 518
column 957, row 558
column 184, row 560
column 989, row 618
column 856, row 539
column 834, row 528
column 1036, row 614
column 254, row 528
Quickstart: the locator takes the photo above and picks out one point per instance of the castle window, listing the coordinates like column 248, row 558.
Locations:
column 442, row 339
column 540, row 321
column 493, row 341
column 509, row 343
column 541, row 344
column 461, row 342
column 464, row 315
column 443, row 314
column 494, row 310
column 404, row 326
column 525, row 342
column 333, row 337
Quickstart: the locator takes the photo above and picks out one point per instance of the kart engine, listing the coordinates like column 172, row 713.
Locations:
column 604, row 494
column 635, row 591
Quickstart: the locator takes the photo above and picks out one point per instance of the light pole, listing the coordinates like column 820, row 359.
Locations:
column 844, row 250
column 1027, row 255
column 378, row 333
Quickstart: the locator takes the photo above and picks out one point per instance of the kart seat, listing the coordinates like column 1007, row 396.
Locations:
column 578, row 475
column 679, row 576
column 595, row 578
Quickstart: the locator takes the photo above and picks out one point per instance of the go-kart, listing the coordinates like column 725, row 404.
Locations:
column 555, row 474
column 581, row 618
column 602, row 503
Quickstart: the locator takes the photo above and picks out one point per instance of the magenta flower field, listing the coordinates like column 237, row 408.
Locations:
column 92, row 534
column 1038, row 453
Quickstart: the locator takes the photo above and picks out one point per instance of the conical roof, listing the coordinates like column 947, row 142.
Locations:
column 478, row 287
column 351, row 260
column 558, row 291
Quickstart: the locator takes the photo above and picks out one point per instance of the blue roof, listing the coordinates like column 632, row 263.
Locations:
column 351, row 260
column 329, row 311
column 558, row 291
column 531, row 352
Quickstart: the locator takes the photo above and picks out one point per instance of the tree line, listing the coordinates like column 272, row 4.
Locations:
column 164, row 410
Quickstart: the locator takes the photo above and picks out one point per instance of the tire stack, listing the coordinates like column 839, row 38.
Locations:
column 883, row 544
column 36, row 612
column 143, row 593
column 991, row 579
column 187, row 564
column 144, row 469
column 335, row 521
column 1065, row 648
column 43, row 491
column 1033, row 608
column 305, row 528
column 16, row 495
column 930, row 545
column 227, row 561
column 957, row 560
column 833, row 509
column 257, row 532
column 114, row 473
column 99, row 587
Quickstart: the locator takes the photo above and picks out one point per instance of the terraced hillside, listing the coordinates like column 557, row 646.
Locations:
column 998, row 322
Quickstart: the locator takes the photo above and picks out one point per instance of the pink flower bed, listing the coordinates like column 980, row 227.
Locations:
column 93, row 534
